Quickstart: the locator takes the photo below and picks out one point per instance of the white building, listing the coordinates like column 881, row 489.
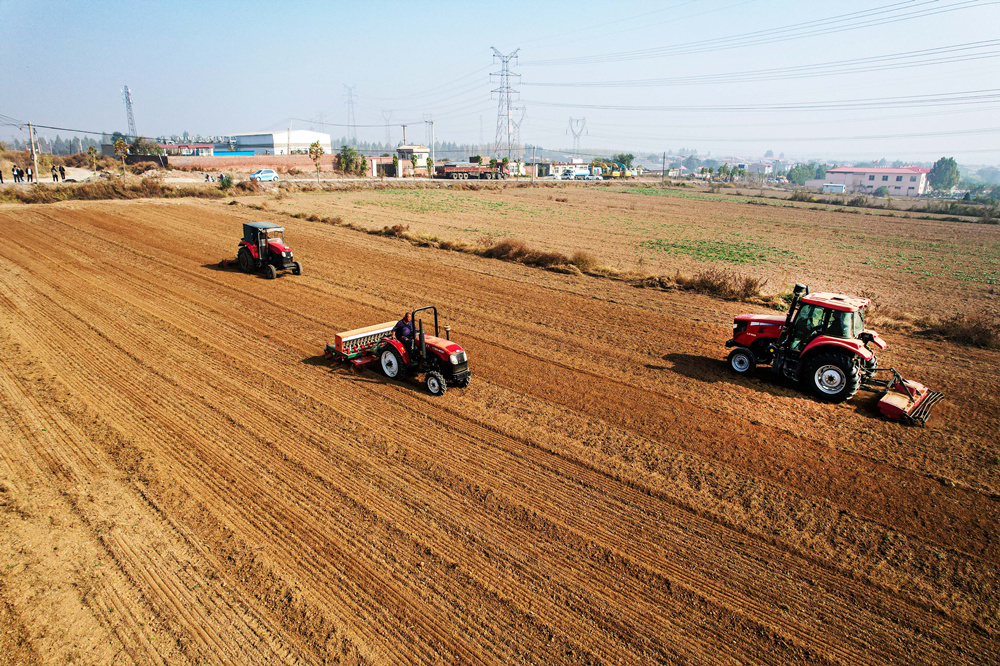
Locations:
column 406, row 153
column 908, row 181
column 282, row 143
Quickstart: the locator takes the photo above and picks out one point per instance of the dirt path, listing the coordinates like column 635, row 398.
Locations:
column 186, row 480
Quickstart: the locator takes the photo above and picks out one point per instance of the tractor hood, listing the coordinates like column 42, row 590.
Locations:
column 441, row 346
column 277, row 246
column 769, row 320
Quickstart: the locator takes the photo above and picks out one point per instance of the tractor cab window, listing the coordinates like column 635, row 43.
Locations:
column 814, row 320
column 275, row 235
column 808, row 323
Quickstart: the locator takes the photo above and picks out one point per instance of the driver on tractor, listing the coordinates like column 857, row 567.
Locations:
column 403, row 331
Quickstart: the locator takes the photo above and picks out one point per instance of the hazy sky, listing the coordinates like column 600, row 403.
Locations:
column 910, row 80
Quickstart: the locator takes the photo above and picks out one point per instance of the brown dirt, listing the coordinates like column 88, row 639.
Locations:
column 185, row 479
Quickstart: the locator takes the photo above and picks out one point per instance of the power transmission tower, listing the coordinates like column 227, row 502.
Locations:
column 517, row 127
column 386, row 115
column 127, row 96
column 577, row 126
column 352, row 128
column 504, row 142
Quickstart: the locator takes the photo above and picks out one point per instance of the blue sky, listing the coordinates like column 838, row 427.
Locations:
column 696, row 74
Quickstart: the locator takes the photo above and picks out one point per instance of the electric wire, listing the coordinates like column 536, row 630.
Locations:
column 885, row 15
column 896, row 61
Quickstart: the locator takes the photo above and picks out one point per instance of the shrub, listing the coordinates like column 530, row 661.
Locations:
column 395, row 231
column 226, row 181
column 245, row 186
column 511, row 249
column 585, row 261
column 975, row 330
column 724, row 283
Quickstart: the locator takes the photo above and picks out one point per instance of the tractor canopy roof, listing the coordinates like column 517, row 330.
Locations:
column 251, row 229
column 836, row 301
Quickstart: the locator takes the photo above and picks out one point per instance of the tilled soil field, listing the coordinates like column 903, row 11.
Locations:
column 914, row 264
column 184, row 478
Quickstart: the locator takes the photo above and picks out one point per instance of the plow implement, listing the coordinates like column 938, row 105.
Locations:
column 903, row 399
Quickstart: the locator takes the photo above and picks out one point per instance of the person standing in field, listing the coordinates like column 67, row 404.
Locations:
column 62, row 173
column 30, row 174
column 55, row 174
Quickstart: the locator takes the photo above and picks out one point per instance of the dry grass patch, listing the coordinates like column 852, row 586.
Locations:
column 974, row 330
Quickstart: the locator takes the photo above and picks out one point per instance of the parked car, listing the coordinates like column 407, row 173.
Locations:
column 264, row 175
column 591, row 176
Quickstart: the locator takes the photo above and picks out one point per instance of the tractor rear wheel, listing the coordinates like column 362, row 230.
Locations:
column 391, row 364
column 296, row 268
column 742, row 361
column 435, row 383
column 271, row 272
column 245, row 260
column 833, row 376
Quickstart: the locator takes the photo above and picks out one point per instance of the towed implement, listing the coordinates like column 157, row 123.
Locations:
column 823, row 343
column 442, row 361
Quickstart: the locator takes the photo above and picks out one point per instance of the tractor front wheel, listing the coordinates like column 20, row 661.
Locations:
column 296, row 268
column 435, row 383
column 271, row 272
column 245, row 260
column 742, row 361
column 833, row 376
column 391, row 364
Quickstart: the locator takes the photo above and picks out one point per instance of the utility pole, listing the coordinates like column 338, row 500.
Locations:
column 534, row 167
column 34, row 151
column 505, row 121
column 663, row 173
column 431, row 123
column 288, row 138
column 404, row 135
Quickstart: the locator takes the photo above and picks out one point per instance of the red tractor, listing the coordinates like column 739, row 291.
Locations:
column 442, row 361
column 823, row 343
column 263, row 246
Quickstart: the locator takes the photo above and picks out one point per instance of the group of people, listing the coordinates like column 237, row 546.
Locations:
column 28, row 176
column 20, row 175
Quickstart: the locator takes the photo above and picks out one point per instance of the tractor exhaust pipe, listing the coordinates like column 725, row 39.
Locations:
column 447, row 332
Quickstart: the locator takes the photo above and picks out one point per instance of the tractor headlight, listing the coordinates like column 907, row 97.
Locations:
column 457, row 357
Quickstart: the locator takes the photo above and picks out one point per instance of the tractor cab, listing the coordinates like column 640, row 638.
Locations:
column 825, row 314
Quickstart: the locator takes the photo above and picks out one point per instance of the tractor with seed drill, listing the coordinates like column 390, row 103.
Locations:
column 823, row 344
column 442, row 361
